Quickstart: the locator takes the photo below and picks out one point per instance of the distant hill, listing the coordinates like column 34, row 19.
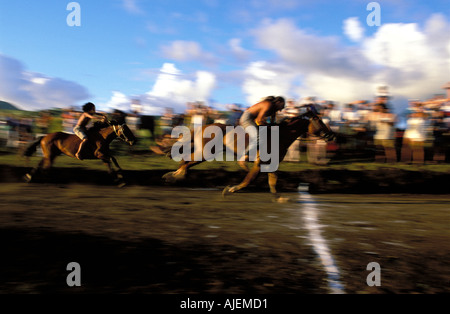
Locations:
column 6, row 105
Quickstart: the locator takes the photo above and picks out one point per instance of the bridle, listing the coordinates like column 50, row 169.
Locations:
column 313, row 116
column 118, row 130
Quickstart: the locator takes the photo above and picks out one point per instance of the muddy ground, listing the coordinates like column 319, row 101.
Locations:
column 153, row 238
column 381, row 180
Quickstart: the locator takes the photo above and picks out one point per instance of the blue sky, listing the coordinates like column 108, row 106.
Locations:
column 169, row 52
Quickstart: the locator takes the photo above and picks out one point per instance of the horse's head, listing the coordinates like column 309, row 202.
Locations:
column 124, row 133
column 317, row 128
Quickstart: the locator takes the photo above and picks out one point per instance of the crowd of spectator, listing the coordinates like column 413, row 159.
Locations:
column 364, row 128
column 372, row 128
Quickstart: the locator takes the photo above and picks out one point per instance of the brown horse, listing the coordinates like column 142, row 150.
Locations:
column 307, row 124
column 100, row 136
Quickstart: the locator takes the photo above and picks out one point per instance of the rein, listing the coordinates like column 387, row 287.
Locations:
column 313, row 117
column 116, row 130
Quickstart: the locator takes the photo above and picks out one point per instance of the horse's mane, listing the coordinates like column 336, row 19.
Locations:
column 98, row 125
column 290, row 120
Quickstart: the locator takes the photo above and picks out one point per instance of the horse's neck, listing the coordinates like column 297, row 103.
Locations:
column 108, row 134
column 293, row 131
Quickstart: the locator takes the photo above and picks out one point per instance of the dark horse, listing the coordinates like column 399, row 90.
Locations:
column 100, row 136
column 290, row 129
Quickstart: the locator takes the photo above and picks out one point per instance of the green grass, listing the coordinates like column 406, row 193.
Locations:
column 148, row 161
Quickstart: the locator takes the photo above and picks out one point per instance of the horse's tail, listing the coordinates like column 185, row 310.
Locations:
column 31, row 149
column 167, row 150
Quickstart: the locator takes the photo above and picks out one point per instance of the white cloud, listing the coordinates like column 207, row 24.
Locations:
column 353, row 29
column 173, row 89
column 33, row 91
column 131, row 6
column 413, row 60
column 307, row 52
column 118, row 101
column 336, row 88
column 263, row 79
column 237, row 50
column 182, row 50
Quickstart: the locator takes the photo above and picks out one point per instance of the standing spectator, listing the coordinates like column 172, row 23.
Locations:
column 235, row 115
column 414, row 137
column 43, row 122
column 439, row 128
column 384, row 137
column 197, row 115
column 166, row 122
column 133, row 121
column 334, row 116
column 69, row 120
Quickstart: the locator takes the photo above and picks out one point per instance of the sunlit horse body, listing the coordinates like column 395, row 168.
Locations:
column 290, row 129
column 100, row 136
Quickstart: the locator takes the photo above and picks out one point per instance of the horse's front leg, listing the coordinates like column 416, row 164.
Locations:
column 107, row 162
column 114, row 160
column 273, row 177
column 118, row 177
column 119, row 172
column 251, row 175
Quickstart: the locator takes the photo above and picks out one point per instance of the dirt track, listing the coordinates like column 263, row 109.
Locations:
column 151, row 239
column 381, row 180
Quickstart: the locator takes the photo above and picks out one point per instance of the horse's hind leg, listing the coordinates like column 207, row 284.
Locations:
column 117, row 175
column 180, row 173
column 50, row 151
column 43, row 167
column 29, row 176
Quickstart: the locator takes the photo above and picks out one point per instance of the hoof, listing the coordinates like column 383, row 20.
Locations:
column 226, row 191
column 168, row 177
column 172, row 177
column 280, row 199
column 121, row 185
column 27, row 178
column 229, row 190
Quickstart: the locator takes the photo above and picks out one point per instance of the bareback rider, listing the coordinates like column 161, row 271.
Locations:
column 257, row 115
column 80, row 129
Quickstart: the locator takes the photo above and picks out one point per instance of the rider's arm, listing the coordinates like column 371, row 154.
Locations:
column 90, row 116
column 95, row 115
column 98, row 114
column 261, row 118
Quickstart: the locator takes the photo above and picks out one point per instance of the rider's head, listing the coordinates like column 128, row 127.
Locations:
column 88, row 107
column 279, row 102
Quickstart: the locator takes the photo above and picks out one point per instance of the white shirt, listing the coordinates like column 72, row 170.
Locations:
column 416, row 129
